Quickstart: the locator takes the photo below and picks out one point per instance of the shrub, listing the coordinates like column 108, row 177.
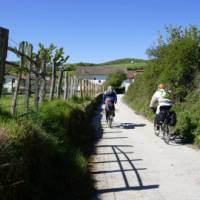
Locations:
column 175, row 61
column 47, row 154
column 197, row 135
column 185, row 127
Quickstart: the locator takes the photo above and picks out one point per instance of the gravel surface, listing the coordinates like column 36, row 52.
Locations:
column 132, row 163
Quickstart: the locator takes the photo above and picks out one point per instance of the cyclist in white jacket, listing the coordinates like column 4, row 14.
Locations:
column 163, row 99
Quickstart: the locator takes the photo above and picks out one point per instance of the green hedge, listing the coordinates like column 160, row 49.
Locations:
column 175, row 61
column 46, row 156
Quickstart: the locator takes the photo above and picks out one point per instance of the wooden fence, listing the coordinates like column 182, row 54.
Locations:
column 38, row 85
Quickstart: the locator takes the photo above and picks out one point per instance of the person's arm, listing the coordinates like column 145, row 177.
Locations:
column 153, row 101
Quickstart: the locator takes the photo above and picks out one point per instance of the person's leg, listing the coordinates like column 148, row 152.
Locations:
column 106, row 115
column 113, row 110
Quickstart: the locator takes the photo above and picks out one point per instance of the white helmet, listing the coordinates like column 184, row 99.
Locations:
column 110, row 89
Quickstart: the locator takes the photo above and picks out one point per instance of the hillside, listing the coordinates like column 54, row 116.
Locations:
column 131, row 63
column 124, row 61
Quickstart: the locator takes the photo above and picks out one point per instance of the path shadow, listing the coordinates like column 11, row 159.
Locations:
column 97, row 123
column 176, row 140
column 113, row 138
column 120, row 156
column 107, row 132
column 128, row 125
column 113, row 161
column 116, row 150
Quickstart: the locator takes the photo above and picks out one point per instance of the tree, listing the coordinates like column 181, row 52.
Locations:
column 58, row 60
column 45, row 57
column 60, row 77
column 115, row 79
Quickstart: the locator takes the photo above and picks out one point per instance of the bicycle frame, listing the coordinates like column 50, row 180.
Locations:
column 164, row 128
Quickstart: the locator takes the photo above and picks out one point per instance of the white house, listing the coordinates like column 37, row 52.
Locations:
column 94, row 74
column 98, row 74
column 10, row 81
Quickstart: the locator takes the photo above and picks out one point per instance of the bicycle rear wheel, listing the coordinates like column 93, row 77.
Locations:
column 156, row 130
column 166, row 133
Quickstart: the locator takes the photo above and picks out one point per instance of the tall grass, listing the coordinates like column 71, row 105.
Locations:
column 45, row 156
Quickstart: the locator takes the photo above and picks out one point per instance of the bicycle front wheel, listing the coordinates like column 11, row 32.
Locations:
column 110, row 121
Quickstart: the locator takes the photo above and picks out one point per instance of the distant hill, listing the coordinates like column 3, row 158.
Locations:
column 130, row 63
column 124, row 61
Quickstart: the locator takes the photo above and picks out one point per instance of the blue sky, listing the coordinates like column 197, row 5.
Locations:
column 95, row 30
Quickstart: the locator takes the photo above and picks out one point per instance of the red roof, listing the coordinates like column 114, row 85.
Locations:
column 103, row 70
column 98, row 70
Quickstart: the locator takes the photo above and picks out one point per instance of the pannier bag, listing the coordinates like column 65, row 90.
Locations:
column 109, row 107
column 161, row 116
column 172, row 118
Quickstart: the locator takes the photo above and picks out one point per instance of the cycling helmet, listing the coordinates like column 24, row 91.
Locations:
column 110, row 89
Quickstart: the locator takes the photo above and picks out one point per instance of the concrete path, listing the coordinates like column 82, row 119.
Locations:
column 132, row 163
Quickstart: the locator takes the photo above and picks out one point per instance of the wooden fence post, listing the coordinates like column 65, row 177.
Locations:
column 90, row 86
column 36, row 99
column 14, row 102
column 42, row 90
column 93, row 89
column 72, row 86
column 68, row 86
column 81, row 88
column 59, row 86
column 3, row 54
column 77, row 83
column 53, row 81
column 84, row 88
column 29, row 51
column 65, row 85
column 87, row 88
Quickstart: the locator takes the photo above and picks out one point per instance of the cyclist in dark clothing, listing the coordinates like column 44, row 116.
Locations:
column 110, row 99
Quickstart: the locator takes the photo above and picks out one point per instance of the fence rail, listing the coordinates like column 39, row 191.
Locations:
column 32, row 79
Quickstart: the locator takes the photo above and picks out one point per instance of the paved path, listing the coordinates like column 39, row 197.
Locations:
column 132, row 163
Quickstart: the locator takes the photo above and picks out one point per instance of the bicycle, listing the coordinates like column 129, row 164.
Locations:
column 110, row 118
column 109, row 113
column 164, row 128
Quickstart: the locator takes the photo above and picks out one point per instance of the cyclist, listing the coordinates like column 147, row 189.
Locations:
column 109, row 99
column 163, row 98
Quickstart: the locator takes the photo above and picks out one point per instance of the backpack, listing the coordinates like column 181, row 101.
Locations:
column 166, row 94
column 109, row 107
